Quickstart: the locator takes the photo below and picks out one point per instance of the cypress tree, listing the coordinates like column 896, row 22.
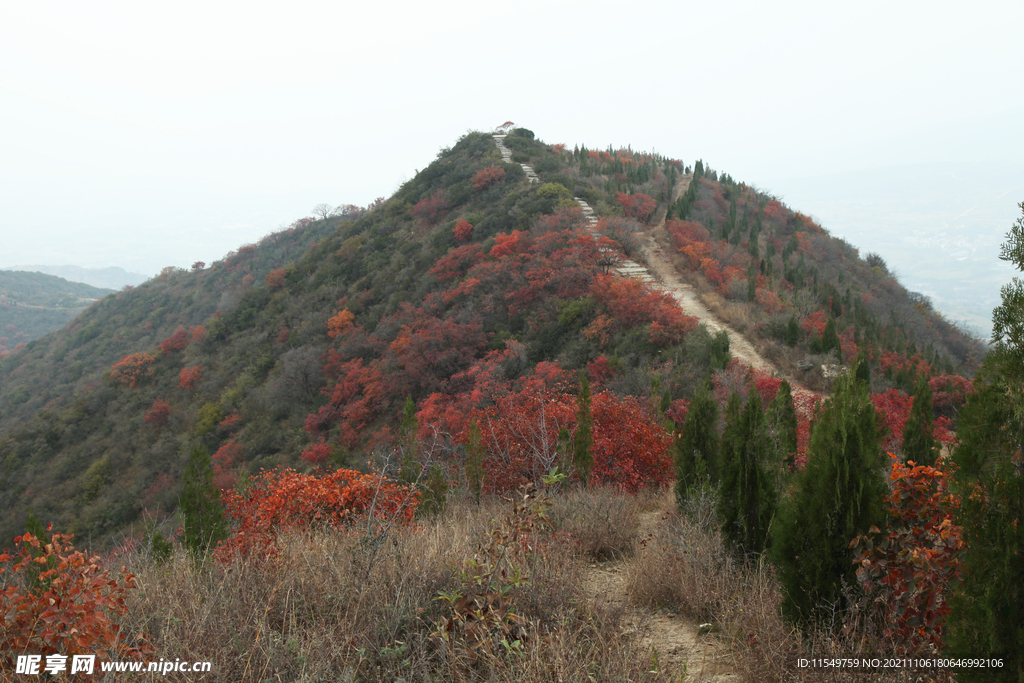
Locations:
column 830, row 340
column 475, row 455
column 838, row 496
column 696, row 449
column 408, row 431
column 918, row 443
column 720, row 350
column 863, row 372
column 202, row 516
column 792, row 331
column 583, row 442
column 748, row 497
column 988, row 609
column 782, row 414
column 988, row 606
column 731, row 434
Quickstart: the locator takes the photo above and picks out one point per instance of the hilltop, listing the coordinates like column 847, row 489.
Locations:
column 468, row 282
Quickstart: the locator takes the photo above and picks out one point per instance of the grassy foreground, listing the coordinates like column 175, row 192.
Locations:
column 488, row 592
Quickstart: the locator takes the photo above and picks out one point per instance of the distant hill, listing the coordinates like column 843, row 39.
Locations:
column 108, row 278
column 33, row 304
column 472, row 282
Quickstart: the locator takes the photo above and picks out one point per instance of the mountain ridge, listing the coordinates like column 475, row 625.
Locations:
column 303, row 348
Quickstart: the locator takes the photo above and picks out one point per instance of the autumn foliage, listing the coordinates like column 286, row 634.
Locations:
column 285, row 500
column 431, row 209
column 158, row 414
column 908, row 569
column 488, row 177
column 275, row 278
column 188, row 378
column 133, row 369
column 638, row 206
column 58, row 600
column 177, row 341
column 463, row 230
column 339, row 323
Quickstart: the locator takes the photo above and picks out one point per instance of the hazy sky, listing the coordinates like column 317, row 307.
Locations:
column 141, row 136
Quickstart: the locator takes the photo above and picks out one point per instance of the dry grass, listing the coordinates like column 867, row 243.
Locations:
column 333, row 608
column 684, row 566
column 601, row 523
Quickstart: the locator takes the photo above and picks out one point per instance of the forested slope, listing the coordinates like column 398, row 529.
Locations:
column 470, row 292
column 32, row 304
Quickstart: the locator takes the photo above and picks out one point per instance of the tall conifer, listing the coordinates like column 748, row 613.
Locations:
column 696, row 449
column 988, row 609
column 918, row 443
column 837, row 497
column 748, row 497
column 583, row 442
column 202, row 515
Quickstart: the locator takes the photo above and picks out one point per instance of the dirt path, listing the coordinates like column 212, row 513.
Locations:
column 680, row 647
column 659, row 263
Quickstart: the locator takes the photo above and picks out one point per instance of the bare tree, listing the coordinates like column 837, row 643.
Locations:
column 323, row 211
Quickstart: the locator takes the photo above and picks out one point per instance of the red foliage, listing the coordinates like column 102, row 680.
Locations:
column 287, row 500
column 599, row 371
column 158, row 414
column 188, row 378
column 769, row 300
column 224, row 461
column 629, row 303
column 766, row 386
column 177, row 341
column 898, row 362
column 231, row 422
column 908, row 569
column 893, row 410
column 815, row 322
column 678, row 410
column 431, row 209
column 339, row 323
column 638, row 206
column 520, row 434
column 949, row 391
column 198, row 332
column 508, row 244
column 317, row 453
column 72, row 608
column 488, row 177
column 806, row 405
column 774, row 211
column 457, row 262
column 275, row 278
column 133, row 369
column 247, row 281
column 630, row 447
column 463, row 230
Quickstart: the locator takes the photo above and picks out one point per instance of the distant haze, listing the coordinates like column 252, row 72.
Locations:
column 141, row 136
column 108, row 278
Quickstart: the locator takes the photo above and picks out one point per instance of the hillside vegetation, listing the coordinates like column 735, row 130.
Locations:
column 470, row 336
column 32, row 304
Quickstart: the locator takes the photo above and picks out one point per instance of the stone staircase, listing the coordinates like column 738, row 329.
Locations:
column 625, row 267
column 506, row 156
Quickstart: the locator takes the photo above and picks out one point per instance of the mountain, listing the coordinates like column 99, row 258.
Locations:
column 32, row 304
column 480, row 277
column 111, row 277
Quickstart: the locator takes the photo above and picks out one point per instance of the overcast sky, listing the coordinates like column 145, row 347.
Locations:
column 143, row 135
